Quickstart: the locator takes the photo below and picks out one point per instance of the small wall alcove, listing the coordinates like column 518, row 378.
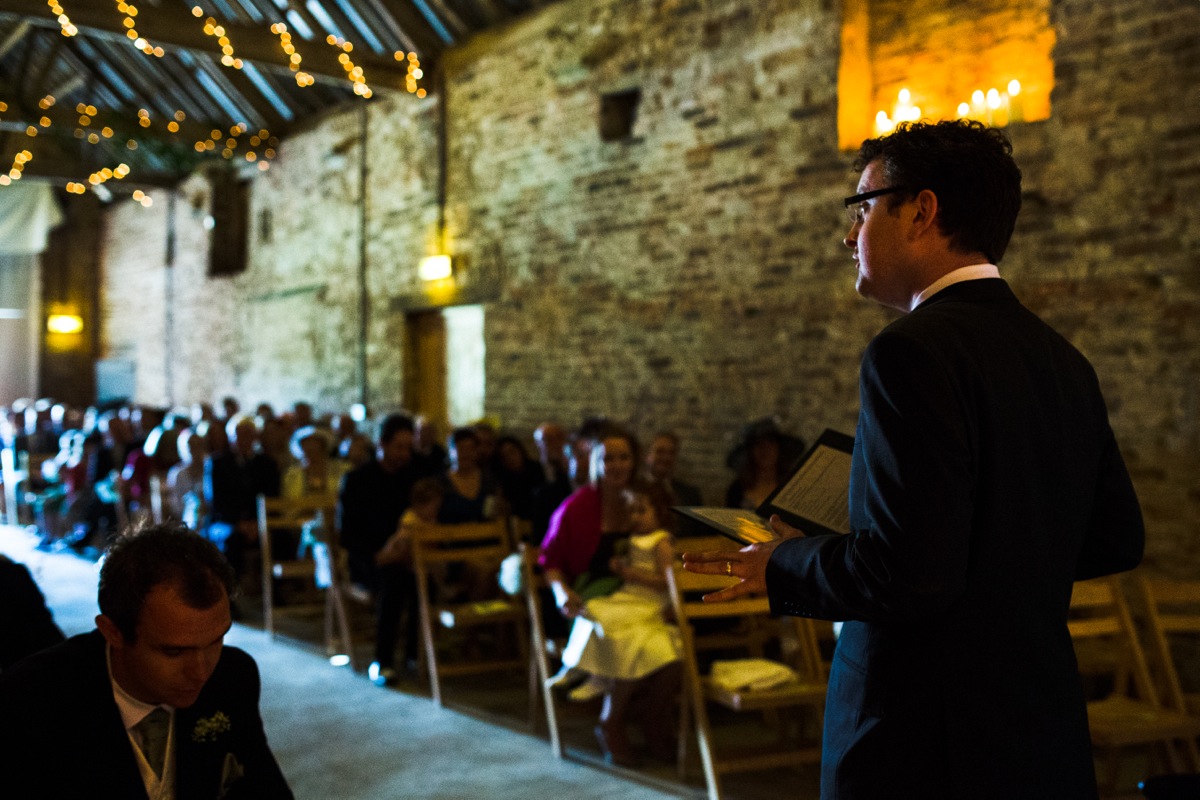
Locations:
column 989, row 60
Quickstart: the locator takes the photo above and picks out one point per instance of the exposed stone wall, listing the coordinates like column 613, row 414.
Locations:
column 692, row 276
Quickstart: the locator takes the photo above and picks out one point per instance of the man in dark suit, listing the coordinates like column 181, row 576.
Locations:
column 151, row 704
column 371, row 501
column 232, row 483
column 985, row 480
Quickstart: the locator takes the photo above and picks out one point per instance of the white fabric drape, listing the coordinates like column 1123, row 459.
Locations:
column 28, row 212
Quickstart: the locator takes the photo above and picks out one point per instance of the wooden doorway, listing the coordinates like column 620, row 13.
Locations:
column 425, row 367
column 444, row 365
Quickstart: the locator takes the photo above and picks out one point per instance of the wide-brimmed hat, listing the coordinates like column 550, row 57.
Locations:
column 791, row 447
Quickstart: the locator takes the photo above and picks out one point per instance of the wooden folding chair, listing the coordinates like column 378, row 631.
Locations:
column 531, row 582
column 156, row 499
column 284, row 518
column 1131, row 715
column 479, row 546
column 13, row 478
column 1172, row 610
column 700, row 690
column 332, row 576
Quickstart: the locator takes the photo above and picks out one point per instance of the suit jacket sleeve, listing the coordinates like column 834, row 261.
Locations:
column 913, row 470
column 1115, row 536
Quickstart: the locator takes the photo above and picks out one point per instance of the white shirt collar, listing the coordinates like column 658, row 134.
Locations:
column 971, row 273
column 132, row 710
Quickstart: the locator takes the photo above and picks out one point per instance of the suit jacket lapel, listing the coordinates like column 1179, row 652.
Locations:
column 111, row 745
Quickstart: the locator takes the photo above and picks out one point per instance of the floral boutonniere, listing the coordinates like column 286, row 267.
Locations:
column 209, row 728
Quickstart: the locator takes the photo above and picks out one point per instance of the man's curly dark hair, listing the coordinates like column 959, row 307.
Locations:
column 967, row 165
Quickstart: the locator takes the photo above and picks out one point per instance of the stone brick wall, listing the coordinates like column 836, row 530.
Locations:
column 691, row 276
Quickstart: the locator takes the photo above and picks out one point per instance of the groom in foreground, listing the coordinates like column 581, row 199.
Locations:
column 151, row 704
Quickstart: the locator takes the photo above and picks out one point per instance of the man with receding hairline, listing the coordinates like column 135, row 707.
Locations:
column 151, row 704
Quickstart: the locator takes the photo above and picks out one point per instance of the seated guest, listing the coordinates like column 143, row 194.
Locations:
column 661, row 460
column 184, row 494
column 761, row 459
column 158, row 706
column 232, row 484
column 425, row 500
column 26, row 625
column 229, row 408
column 585, row 529
column 551, row 440
column 343, row 428
column 486, row 435
column 275, row 441
column 517, row 475
column 371, row 501
column 92, row 513
column 624, row 642
column 470, row 493
column 430, row 456
column 312, row 471
column 356, row 451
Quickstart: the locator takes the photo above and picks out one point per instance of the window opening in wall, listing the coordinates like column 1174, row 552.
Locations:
column 618, row 113
column 929, row 59
column 264, row 226
column 231, row 224
column 444, row 365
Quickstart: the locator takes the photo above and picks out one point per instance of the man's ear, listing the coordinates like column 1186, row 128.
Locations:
column 110, row 631
column 924, row 218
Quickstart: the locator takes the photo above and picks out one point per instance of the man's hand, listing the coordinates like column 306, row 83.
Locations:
column 748, row 564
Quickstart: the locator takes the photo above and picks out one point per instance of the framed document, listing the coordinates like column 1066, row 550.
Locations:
column 815, row 497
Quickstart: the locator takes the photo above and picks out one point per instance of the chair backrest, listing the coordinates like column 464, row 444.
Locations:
column 480, row 542
column 1099, row 611
column 1171, row 607
column 687, row 589
column 12, row 478
column 292, row 512
column 156, row 499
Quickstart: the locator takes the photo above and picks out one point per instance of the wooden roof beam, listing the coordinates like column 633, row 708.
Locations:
column 175, row 26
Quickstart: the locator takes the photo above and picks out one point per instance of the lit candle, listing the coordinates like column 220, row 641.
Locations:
column 883, row 124
column 1016, row 105
column 978, row 106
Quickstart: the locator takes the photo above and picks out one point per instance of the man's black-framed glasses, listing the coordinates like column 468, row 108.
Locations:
column 856, row 206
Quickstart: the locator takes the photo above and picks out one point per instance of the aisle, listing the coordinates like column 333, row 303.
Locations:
column 337, row 736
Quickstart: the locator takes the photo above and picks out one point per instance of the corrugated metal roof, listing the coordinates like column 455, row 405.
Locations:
column 161, row 85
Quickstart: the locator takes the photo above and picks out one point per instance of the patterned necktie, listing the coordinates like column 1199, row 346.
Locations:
column 154, row 729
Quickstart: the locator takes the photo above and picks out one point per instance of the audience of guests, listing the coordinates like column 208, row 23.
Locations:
column 761, row 459
column 603, row 531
